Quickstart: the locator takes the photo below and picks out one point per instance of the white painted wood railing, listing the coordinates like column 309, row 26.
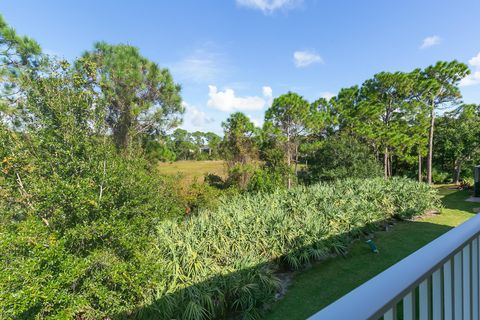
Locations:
column 439, row 281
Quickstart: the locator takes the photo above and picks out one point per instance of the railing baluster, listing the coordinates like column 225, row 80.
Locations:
column 457, row 285
column 466, row 283
column 475, row 278
column 437, row 294
column 389, row 315
column 447, row 290
column 423, row 305
column 408, row 306
column 477, row 301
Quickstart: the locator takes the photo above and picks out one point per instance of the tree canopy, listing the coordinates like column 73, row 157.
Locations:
column 140, row 97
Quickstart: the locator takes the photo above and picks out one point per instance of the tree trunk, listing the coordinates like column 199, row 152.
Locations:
column 430, row 146
column 390, row 164
column 296, row 160
column 289, row 162
column 458, row 169
column 385, row 164
column 420, row 168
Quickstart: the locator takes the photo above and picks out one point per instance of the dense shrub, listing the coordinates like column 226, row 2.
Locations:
column 224, row 261
column 265, row 179
column 341, row 157
column 76, row 215
column 440, row 176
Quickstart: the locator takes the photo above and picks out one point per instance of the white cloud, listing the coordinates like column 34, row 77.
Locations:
column 268, row 94
column 269, row 6
column 430, row 42
column 327, row 95
column 258, row 122
column 196, row 117
column 203, row 65
column 227, row 101
column 474, row 78
column 267, row 91
column 306, row 58
column 475, row 61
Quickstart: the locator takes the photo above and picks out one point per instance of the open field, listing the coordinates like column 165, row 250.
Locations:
column 325, row 282
column 190, row 170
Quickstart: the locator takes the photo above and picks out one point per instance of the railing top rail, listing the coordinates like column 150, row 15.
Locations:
column 372, row 299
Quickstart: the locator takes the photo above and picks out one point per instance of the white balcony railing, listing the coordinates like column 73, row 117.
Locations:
column 439, row 281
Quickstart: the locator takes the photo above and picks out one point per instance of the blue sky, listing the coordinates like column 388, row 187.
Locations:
column 236, row 55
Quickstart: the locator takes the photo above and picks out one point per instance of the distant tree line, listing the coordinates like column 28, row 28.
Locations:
column 184, row 145
column 403, row 123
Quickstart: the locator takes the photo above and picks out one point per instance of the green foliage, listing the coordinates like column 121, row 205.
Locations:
column 440, row 176
column 240, row 149
column 184, row 145
column 238, row 145
column 288, row 121
column 384, row 111
column 198, row 196
column 267, row 180
column 19, row 55
column 341, row 157
column 223, row 262
column 141, row 98
column 457, row 142
column 76, row 216
column 156, row 150
column 239, row 175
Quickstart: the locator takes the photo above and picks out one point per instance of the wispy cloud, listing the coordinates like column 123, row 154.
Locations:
column 203, row 65
column 430, row 42
column 474, row 78
column 228, row 101
column 305, row 58
column 269, row 6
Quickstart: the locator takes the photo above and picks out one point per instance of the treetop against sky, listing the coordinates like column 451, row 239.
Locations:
column 236, row 55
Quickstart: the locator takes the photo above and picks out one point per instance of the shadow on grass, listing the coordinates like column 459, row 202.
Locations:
column 454, row 199
column 327, row 281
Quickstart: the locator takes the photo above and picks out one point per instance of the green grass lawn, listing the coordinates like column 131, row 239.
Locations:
column 325, row 282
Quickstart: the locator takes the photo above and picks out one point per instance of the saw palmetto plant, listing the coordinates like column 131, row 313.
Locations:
column 223, row 263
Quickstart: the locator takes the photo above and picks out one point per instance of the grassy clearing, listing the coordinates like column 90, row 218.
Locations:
column 190, row 170
column 325, row 282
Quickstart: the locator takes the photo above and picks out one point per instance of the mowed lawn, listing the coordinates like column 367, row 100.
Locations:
column 325, row 282
column 191, row 170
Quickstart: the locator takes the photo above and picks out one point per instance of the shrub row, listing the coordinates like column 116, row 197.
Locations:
column 223, row 262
